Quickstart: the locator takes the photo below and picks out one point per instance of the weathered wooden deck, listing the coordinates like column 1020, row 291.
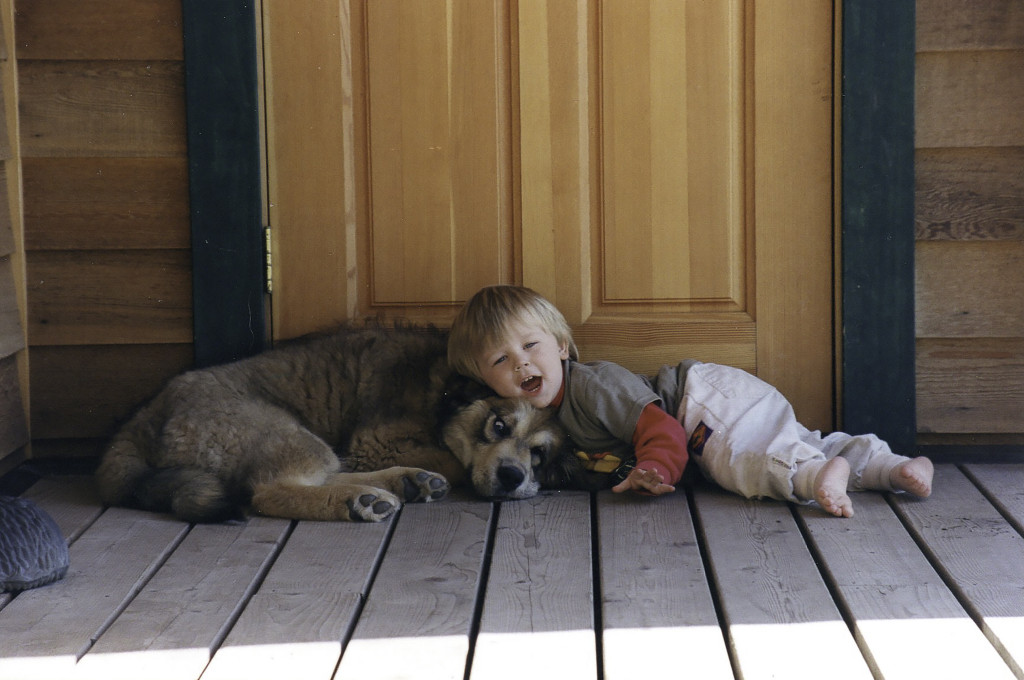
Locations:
column 700, row 584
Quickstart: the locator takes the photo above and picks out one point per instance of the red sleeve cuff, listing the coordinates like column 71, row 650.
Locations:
column 660, row 444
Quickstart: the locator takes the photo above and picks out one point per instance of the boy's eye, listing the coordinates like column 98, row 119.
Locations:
column 499, row 360
column 530, row 345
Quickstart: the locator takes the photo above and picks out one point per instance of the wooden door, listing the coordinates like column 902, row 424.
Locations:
column 660, row 169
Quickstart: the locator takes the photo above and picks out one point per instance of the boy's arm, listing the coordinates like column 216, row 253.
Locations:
column 659, row 441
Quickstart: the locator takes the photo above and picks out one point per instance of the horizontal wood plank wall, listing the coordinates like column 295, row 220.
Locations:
column 103, row 135
column 13, row 358
column 970, row 221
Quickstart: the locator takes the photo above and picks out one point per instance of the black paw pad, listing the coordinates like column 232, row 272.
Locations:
column 370, row 508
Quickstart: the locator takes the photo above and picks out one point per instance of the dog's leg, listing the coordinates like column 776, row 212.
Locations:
column 329, row 502
column 409, row 483
column 404, row 447
column 438, row 460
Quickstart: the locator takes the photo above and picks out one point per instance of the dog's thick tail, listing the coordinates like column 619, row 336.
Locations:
column 124, row 477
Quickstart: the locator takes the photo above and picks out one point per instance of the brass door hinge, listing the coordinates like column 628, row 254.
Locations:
column 268, row 258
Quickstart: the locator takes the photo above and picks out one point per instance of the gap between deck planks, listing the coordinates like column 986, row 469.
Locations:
column 567, row 584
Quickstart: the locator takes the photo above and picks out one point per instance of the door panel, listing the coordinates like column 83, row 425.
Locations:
column 437, row 105
column 671, row 137
column 661, row 170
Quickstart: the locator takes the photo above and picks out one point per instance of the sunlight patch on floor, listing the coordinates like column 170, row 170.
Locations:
column 631, row 653
column 156, row 664
column 932, row 648
column 426, row 657
column 566, row 655
column 1007, row 633
column 306, row 660
column 819, row 649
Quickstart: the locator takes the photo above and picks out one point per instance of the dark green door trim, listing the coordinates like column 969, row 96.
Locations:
column 877, row 268
column 225, row 179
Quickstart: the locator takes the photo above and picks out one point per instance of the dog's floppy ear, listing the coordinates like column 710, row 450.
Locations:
column 459, row 392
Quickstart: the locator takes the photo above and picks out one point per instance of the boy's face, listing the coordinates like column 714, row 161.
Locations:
column 525, row 363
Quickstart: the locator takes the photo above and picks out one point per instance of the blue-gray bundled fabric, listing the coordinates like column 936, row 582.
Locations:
column 32, row 550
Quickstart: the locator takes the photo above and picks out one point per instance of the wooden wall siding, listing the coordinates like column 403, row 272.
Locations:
column 13, row 359
column 143, row 30
column 970, row 220
column 100, row 108
column 106, row 210
column 61, row 375
column 970, row 194
column 13, row 428
column 141, row 203
column 109, row 297
column 12, row 338
column 949, row 25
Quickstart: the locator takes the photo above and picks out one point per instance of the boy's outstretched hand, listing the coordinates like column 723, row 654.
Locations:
column 647, row 482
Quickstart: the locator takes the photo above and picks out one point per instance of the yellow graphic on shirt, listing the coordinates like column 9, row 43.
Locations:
column 600, row 462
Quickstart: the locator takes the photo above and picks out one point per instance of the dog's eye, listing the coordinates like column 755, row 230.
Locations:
column 499, row 428
column 537, row 455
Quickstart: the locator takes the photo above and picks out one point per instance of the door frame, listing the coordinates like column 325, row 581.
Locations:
column 222, row 98
column 875, row 346
column 877, row 369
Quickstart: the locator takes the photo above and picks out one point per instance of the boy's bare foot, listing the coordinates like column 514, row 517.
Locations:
column 913, row 476
column 830, row 488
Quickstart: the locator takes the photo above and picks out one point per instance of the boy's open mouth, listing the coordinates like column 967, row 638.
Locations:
column 531, row 384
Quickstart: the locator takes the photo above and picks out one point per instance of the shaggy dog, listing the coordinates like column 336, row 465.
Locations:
column 344, row 426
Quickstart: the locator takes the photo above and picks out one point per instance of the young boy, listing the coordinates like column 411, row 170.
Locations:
column 744, row 435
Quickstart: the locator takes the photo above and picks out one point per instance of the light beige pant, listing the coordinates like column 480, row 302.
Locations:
column 754, row 445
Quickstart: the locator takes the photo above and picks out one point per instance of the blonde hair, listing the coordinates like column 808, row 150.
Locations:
column 485, row 319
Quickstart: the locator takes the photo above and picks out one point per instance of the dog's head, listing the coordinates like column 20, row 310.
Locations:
column 511, row 450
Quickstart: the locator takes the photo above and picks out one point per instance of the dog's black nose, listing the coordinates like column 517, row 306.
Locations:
column 510, row 477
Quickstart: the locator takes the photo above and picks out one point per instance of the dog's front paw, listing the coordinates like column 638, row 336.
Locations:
column 421, row 485
column 372, row 507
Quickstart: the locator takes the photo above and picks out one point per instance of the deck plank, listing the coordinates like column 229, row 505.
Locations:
column 43, row 632
column 904, row 617
column 1004, row 486
column 538, row 614
column 771, row 592
column 978, row 552
column 71, row 502
column 931, row 588
column 654, row 591
column 171, row 628
column 296, row 623
column 420, row 612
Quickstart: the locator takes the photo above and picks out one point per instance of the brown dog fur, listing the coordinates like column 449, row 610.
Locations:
column 344, row 426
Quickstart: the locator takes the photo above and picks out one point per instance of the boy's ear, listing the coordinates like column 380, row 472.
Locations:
column 563, row 351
